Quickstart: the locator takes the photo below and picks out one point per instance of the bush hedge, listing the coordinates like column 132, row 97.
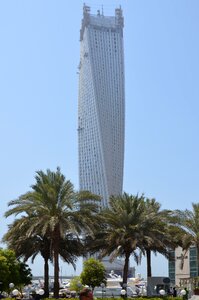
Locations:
column 111, row 298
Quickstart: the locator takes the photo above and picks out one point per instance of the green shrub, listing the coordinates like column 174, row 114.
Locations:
column 111, row 298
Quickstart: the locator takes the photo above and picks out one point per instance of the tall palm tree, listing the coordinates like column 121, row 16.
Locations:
column 58, row 212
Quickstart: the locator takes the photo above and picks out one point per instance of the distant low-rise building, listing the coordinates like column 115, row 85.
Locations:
column 183, row 265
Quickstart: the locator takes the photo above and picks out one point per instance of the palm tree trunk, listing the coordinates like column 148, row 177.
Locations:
column 46, row 278
column 148, row 258
column 126, row 269
column 56, row 274
column 56, row 261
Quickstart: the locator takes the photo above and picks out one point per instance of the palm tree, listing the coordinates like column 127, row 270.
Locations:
column 154, row 228
column 120, row 229
column 160, row 234
column 58, row 213
column 133, row 225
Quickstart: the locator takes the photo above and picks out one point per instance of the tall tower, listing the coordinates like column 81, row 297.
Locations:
column 101, row 109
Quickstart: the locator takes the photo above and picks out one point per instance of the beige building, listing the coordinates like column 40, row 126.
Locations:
column 183, row 265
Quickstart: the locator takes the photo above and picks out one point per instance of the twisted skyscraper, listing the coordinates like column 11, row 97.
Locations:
column 101, row 111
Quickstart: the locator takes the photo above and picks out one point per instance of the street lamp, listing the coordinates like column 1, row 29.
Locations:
column 124, row 285
column 162, row 292
column 15, row 292
column 183, row 293
column 123, row 293
column 11, row 285
column 40, row 292
column 102, row 286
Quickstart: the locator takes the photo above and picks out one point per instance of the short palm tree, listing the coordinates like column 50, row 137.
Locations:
column 133, row 225
column 160, row 234
column 153, row 231
column 120, row 229
column 58, row 213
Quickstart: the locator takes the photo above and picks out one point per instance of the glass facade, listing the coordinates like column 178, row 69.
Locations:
column 193, row 262
column 172, row 267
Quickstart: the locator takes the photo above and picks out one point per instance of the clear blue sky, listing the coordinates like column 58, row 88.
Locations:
column 39, row 55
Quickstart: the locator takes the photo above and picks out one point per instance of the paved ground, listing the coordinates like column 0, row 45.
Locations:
column 194, row 297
